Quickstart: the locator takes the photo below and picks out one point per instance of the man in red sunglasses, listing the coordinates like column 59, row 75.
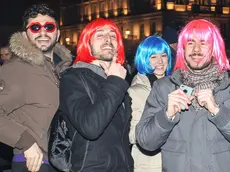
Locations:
column 29, row 89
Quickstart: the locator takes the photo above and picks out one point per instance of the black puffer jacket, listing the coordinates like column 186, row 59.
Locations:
column 101, row 143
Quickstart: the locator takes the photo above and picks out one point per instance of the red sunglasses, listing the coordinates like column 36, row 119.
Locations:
column 36, row 27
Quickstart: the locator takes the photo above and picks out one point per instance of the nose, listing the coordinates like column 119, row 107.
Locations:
column 160, row 60
column 197, row 47
column 42, row 31
column 107, row 38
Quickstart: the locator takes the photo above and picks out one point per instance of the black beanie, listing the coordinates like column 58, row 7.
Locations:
column 170, row 35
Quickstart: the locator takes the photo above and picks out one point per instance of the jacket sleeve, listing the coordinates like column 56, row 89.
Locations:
column 137, row 105
column 91, row 119
column 12, row 131
column 154, row 127
column 222, row 120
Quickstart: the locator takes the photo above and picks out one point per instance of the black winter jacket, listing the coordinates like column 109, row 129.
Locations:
column 101, row 142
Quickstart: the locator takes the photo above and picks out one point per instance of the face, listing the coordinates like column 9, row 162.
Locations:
column 5, row 54
column 198, row 54
column 159, row 62
column 42, row 32
column 104, row 44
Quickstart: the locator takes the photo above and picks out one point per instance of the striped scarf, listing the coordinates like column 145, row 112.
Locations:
column 208, row 79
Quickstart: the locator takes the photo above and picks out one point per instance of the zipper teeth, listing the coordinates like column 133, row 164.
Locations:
column 85, row 155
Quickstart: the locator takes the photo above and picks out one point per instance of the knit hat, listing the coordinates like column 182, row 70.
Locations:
column 170, row 35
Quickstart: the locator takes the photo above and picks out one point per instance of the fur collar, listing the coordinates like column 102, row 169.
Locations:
column 23, row 48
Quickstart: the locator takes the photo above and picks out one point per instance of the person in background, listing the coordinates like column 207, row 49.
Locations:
column 153, row 61
column 187, row 115
column 170, row 35
column 5, row 53
column 29, row 89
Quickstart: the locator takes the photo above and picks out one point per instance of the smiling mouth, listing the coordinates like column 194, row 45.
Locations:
column 43, row 41
column 107, row 48
column 160, row 67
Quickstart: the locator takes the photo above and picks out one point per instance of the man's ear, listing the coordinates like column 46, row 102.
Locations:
column 24, row 34
column 58, row 35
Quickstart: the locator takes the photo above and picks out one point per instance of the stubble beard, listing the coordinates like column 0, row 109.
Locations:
column 49, row 48
column 198, row 68
column 106, row 58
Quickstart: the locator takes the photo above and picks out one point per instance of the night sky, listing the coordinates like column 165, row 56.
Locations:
column 11, row 12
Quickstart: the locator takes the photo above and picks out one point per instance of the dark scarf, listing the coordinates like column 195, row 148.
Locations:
column 207, row 79
column 151, row 78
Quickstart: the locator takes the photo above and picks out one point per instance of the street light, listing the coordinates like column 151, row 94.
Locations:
column 127, row 32
column 67, row 40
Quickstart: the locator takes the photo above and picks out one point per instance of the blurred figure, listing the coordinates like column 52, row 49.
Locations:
column 170, row 35
column 5, row 53
column 153, row 61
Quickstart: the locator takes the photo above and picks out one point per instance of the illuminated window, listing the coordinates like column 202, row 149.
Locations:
column 120, row 3
column 102, row 6
column 206, row 2
column 111, row 4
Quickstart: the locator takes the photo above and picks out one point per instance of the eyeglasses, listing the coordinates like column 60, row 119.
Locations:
column 36, row 27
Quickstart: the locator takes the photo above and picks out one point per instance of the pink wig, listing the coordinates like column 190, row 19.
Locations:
column 83, row 48
column 208, row 32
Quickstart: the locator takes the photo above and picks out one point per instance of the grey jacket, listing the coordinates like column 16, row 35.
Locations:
column 194, row 141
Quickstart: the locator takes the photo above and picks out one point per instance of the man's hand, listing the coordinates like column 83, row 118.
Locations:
column 34, row 158
column 175, row 100
column 114, row 69
column 206, row 99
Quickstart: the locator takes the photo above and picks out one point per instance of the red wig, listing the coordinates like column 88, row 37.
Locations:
column 83, row 47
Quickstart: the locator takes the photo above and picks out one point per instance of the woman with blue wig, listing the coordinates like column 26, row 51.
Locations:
column 153, row 61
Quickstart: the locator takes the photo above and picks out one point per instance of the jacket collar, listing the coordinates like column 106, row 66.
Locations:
column 176, row 77
column 142, row 80
column 23, row 49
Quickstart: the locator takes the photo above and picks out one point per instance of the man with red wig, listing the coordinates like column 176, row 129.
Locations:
column 93, row 97
column 187, row 114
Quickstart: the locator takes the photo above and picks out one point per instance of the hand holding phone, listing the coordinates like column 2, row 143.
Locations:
column 187, row 90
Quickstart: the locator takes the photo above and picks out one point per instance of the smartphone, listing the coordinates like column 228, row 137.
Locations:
column 187, row 90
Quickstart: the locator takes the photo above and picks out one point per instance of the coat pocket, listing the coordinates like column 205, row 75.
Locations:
column 220, row 156
column 173, row 156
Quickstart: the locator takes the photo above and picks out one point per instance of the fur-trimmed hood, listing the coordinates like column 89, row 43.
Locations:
column 23, row 48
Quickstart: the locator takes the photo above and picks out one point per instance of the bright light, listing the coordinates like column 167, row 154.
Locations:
column 67, row 39
column 127, row 32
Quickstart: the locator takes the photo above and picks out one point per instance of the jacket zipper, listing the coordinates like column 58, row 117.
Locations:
column 126, row 159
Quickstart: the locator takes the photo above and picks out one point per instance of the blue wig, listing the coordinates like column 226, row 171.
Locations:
column 148, row 47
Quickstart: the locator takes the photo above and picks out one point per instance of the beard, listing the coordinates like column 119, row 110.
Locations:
column 198, row 67
column 48, row 48
column 101, row 55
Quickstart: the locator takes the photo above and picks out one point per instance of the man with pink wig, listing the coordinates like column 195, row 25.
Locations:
column 93, row 97
column 187, row 114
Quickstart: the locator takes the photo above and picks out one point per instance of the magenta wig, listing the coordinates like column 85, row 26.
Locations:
column 208, row 32
column 83, row 47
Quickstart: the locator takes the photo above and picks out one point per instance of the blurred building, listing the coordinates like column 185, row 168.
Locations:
column 138, row 19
